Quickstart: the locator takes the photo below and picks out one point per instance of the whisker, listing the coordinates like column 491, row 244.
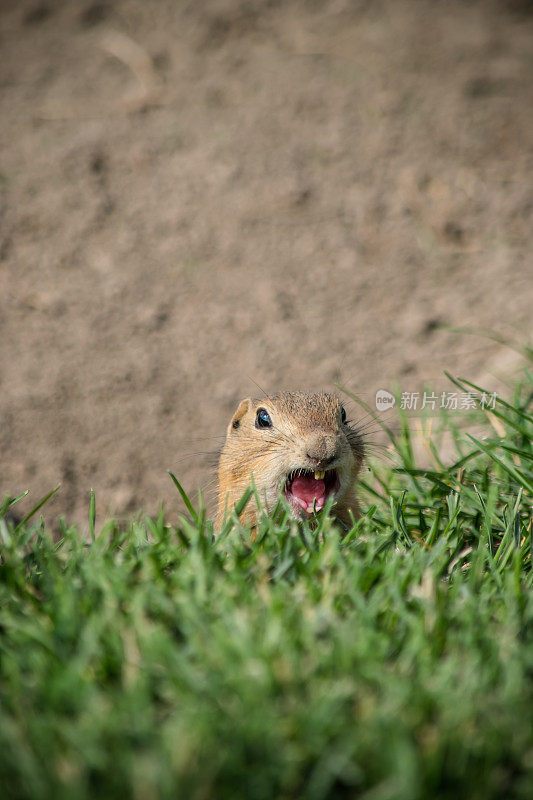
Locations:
column 259, row 387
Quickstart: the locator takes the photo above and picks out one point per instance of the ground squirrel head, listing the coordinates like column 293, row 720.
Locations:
column 293, row 442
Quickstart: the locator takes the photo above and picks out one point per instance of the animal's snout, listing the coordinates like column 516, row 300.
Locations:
column 322, row 450
column 321, row 462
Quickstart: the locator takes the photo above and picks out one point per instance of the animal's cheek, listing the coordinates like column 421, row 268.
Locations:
column 237, row 473
column 346, row 451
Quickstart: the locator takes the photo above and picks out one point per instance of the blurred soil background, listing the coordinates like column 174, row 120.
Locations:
column 198, row 195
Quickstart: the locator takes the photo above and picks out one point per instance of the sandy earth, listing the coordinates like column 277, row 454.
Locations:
column 197, row 196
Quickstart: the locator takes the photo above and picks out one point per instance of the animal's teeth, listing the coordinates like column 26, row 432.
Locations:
column 319, row 474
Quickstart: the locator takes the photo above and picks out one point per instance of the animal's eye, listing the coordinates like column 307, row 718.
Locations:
column 262, row 419
column 343, row 414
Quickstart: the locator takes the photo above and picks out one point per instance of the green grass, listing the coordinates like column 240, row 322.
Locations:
column 393, row 661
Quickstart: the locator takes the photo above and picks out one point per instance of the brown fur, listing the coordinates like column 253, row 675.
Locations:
column 307, row 433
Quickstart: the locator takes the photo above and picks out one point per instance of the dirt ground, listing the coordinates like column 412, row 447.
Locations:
column 197, row 197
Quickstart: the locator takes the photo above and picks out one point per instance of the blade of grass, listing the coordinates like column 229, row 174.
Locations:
column 10, row 501
column 39, row 505
column 184, row 496
column 92, row 515
column 519, row 477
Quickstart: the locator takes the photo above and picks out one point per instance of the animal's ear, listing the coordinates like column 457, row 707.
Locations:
column 243, row 407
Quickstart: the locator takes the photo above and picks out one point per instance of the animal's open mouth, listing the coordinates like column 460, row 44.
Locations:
column 307, row 491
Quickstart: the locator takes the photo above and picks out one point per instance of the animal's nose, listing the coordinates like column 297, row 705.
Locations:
column 322, row 450
column 320, row 462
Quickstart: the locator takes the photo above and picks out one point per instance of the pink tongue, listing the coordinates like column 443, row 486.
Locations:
column 308, row 490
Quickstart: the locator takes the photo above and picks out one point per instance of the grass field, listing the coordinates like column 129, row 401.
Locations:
column 392, row 661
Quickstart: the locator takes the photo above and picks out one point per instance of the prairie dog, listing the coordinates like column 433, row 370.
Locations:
column 296, row 442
